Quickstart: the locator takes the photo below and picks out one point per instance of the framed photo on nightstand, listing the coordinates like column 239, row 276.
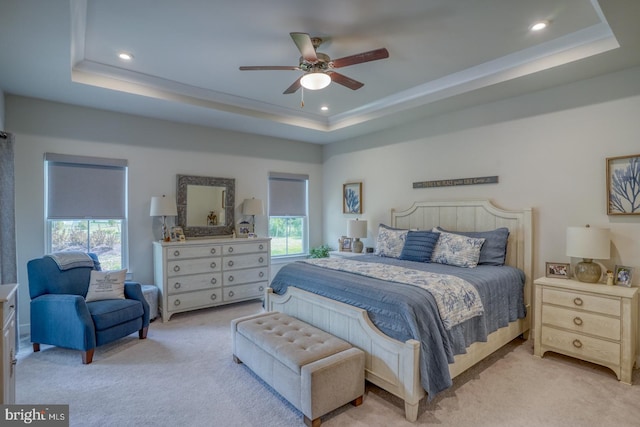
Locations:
column 557, row 269
column 623, row 275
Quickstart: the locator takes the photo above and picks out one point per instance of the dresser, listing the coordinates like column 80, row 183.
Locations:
column 198, row 273
column 8, row 298
column 593, row 322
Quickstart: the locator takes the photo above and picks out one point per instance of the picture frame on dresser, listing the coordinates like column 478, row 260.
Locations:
column 623, row 175
column 560, row 270
column 623, row 275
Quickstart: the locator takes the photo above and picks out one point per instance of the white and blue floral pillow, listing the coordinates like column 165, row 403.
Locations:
column 390, row 241
column 454, row 249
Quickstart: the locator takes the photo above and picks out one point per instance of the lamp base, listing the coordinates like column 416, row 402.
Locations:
column 588, row 271
column 357, row 246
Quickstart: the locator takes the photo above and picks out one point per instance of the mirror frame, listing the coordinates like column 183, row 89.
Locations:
column 227, row 229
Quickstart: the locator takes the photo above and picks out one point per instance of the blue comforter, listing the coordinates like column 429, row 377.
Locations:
column 408, row 312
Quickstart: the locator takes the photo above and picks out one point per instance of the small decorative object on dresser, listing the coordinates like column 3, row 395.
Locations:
column 623, row 275
column 357, row 230
column 345, row 244
column 557, row 269
column 588, row 243
column 164, row 207
column 587, row 321
column 352, row 198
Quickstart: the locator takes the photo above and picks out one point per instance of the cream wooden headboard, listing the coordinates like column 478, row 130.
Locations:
column 476, row 215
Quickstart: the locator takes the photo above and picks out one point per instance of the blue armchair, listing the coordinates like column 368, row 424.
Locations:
column 61, row 317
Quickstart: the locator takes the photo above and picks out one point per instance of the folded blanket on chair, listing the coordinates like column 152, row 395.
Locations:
column 71, row 259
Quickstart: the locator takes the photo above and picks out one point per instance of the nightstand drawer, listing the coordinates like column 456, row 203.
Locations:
column 583, row 347
column 597, row 304
column 580, row 321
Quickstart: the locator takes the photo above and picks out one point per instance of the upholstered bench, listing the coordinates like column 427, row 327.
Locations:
column 315, row 371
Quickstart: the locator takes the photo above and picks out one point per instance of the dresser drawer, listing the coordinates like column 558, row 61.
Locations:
column 191, row 300
column 9, row 307
column 183, row 252
column 583, row 347
column 580, row 321
column 245, row 261
column 597, row 304
column 253, row 290
column 244, row 248
column 193, row 266
column 245, row 276
column 180, row 284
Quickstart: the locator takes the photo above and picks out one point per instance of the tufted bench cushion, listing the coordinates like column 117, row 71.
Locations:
column 314, row 370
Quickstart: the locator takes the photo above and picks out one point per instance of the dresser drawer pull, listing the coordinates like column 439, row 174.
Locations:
column 261, row 247
column 213, row 251
column 231, row 293
column 177, row 285
column 230, row 263
column 231, row 278
column 261, row 288
column 577, row 343
column 176, row 253
column 213, row 281
column 578, row 301
column 230, row 249
column 176, row 268
column 260, row 260
column 261, row 274
column 213, row 297
column 577, row 321
column 176, row 302
column 213, row 265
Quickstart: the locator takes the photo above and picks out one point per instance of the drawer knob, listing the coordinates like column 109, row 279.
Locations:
column 261, row 247
column 577, row 321
column 213, row 281
column 213, row 265
column 260, row 260
column 176, row 302
column 176, row 253
column 230, row 249
column 177, row 285
column 213, row 251
column 261, row 274
column 231, row 293
column 213, row 297
column 578, row 301
column 261, row 288
column 176, row 268
column 577, row 343
column 231, row 278
column 230, row 263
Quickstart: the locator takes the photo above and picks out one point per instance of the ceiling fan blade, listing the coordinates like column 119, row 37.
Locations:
column 293, row 88
column 359, row 58
column 345, row 81
column 305, row 46
column 269, row 67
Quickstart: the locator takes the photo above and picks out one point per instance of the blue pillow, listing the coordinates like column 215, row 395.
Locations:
column 419, row 245
column 494, row 249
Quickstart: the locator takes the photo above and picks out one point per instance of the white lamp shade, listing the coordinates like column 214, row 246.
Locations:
column 588, row 242
column 252, row 207
column 356, row 228
column 315, row 81
column 163, row 206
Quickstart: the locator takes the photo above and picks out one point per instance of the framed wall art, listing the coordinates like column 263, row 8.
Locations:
column 352, row 198
column 557, row 269
column 623, row 185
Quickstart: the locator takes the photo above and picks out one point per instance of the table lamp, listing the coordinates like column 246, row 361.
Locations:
column 588, row 243
column 252, row 207
column 164, row 207
column 357, row 230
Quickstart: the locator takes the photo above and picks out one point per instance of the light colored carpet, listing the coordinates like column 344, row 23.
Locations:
column 183, row 375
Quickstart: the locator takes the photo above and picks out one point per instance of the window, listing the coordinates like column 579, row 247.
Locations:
column 288, row 223
column 86, row 207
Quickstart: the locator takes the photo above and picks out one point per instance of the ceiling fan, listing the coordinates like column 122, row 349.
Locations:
column 318, row 67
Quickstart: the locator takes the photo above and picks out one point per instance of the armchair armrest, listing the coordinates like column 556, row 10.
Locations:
column 62, row 320
column 133, row 290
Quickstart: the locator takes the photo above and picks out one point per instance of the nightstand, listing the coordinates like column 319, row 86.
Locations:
column 339, row 254
column 593, row 322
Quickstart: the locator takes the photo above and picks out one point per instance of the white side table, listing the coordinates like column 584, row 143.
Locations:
column 339, row 254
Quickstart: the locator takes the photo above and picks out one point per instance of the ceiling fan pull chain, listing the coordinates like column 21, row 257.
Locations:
column 302, row 97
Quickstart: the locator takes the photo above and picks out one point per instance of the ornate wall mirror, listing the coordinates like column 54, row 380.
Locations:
column 205, row 205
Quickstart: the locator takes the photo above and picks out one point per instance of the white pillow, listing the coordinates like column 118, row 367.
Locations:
column 106, row 285
column 390, row 241
column 454, row 249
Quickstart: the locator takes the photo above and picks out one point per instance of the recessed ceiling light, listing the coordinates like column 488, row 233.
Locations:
column 540, row 25
column 324, row 108
column 125, row 56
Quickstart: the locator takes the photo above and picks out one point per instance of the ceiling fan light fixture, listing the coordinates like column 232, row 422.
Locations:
column 315, row 81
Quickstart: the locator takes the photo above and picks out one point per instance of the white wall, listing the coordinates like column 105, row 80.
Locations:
column 157, row 151
column 548, row 149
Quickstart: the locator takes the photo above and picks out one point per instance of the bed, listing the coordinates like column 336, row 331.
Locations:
column 392, row 364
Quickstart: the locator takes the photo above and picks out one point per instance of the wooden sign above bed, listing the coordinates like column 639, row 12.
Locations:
column 458, row 181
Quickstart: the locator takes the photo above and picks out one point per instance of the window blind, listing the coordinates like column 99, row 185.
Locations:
column 80, row 187
column 287, row 194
